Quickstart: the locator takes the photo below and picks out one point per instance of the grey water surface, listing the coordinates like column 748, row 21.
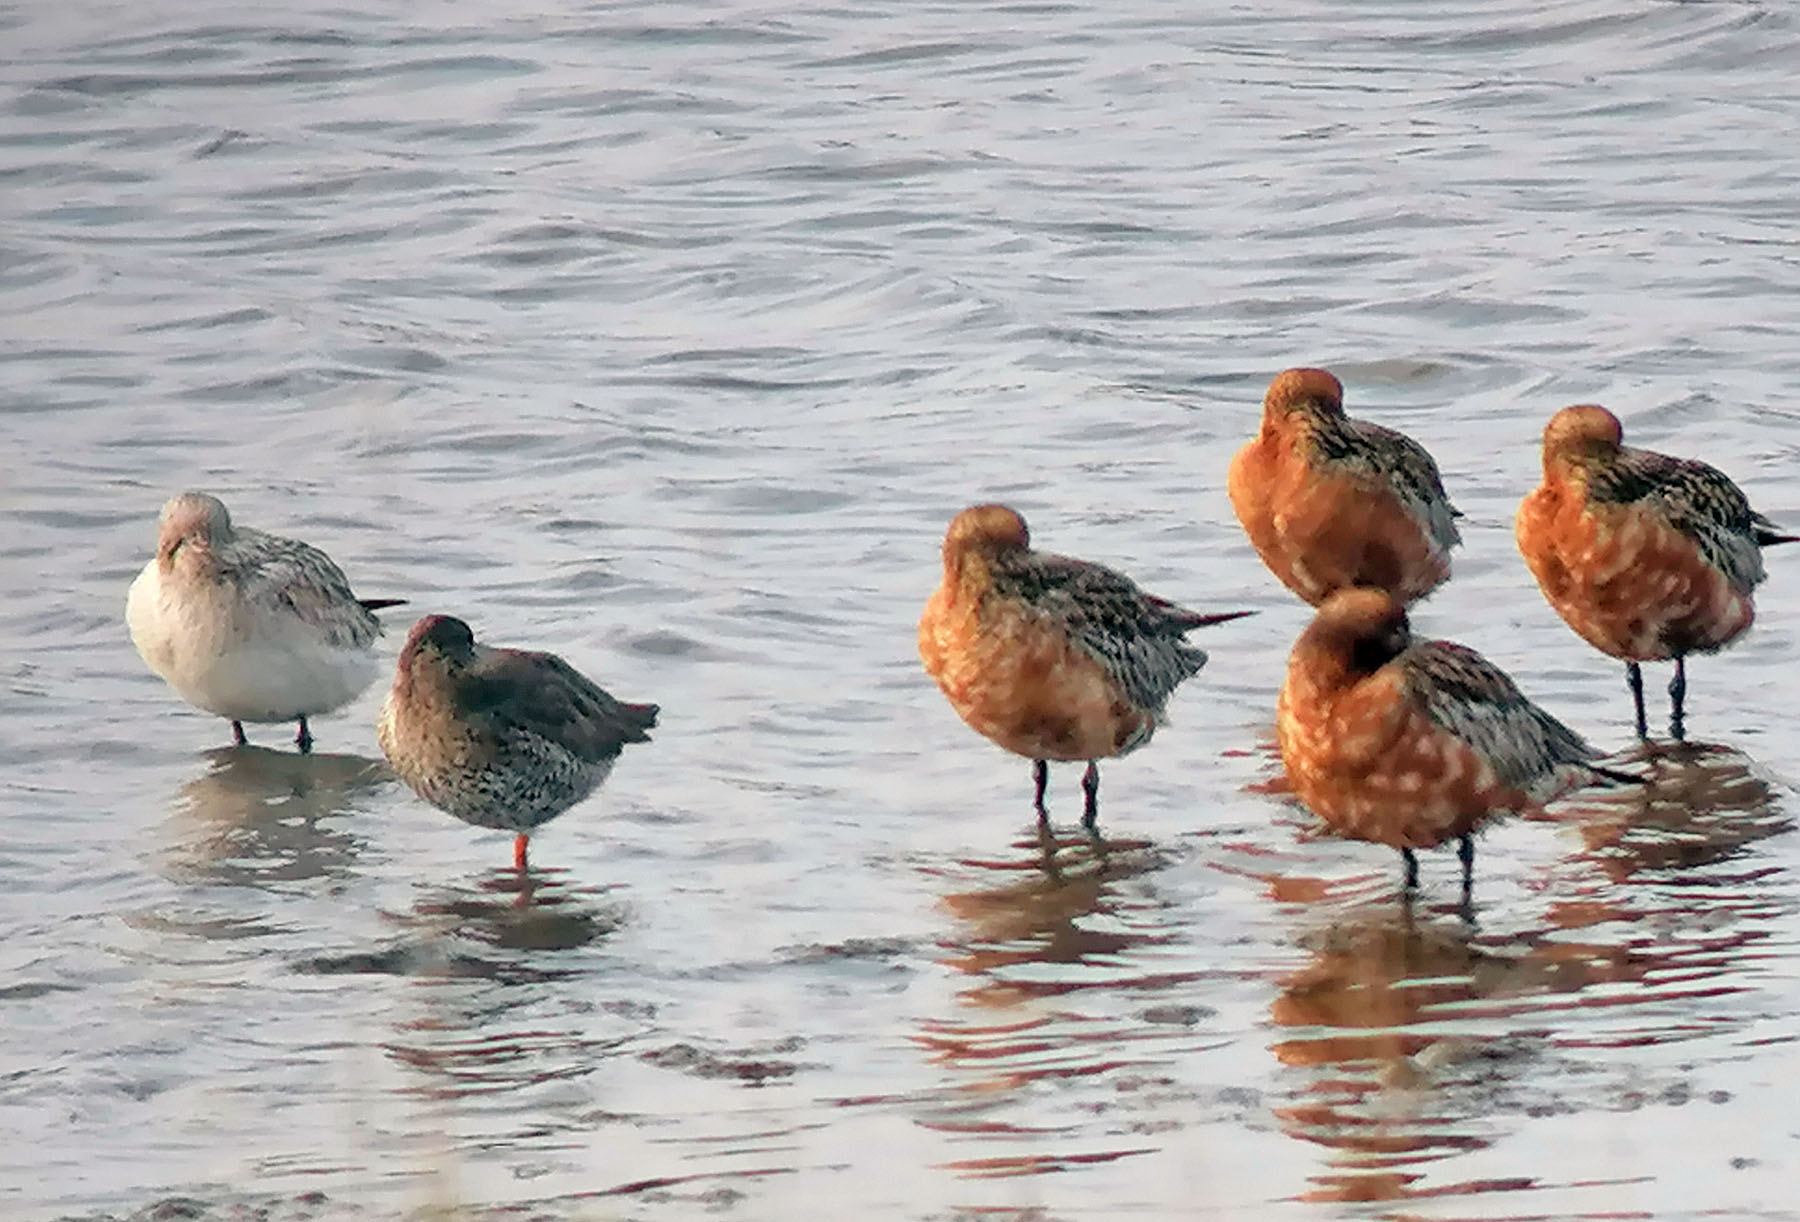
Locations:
column 669, row 336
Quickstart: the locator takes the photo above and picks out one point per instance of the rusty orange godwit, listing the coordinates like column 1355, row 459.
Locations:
column 1413, row 743
column 1645, row 556
column 1050, row 657
column 1330, row 502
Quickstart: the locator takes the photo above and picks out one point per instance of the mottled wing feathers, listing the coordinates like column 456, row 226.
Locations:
column 301, row 579
column 514, row 691
column 1396, row 460
column 1467, row 696
column 1134, row 636
column 1698, row 500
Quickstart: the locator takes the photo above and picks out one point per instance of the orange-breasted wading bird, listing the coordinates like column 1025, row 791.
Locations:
column 500, row 738
column 1646, row 557
column 1412, row 743
column 1330, row 502
column 1050, row 657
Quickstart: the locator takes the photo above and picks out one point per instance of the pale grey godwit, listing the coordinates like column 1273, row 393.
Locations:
column 247, row 625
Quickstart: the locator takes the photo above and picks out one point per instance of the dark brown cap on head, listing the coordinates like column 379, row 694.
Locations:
column 444, row 633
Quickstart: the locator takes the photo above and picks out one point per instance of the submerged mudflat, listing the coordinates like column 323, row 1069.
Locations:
column 669, row 338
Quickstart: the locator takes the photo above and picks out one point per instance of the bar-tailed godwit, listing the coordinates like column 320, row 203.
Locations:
column 247, row 625
column 500, row 738
column 1050, row 657
column 1330, row 502
column 1646, row 557
column 1412, row 743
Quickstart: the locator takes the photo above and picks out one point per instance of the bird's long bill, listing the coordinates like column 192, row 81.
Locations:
column 1207, row 621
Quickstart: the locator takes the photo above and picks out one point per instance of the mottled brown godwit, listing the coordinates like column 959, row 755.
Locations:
column 500, row 738
column 1050, row 657
column 1646, row 557
column 1411, row 743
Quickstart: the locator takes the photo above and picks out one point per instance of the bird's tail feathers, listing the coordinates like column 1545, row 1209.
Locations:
column 641, row 716
column 1613, row 777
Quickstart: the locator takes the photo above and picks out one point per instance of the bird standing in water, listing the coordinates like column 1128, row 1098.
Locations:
column 1050, row 657
column 1645, row 556
column 247, row 625
column 1412, row 743
column 1330, row 502
column 500, row 738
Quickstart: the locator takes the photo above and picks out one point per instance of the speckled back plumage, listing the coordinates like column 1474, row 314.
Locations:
column 500, row 738
column 1469, row 697
column 1136, row 637
column 1371, row 452
column 1697, row 499
column 298, row 578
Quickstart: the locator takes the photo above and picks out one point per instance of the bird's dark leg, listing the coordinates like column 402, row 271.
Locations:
column 520, row 843
column 1040, row 777
column 237, row 734
column 1465, row 853
column 1412, row 868
column 1090, row 788
column 1634, row 679
column 303, row 740
column 1677, row 693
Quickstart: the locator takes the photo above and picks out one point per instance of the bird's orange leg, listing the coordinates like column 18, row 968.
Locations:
column 519, row 845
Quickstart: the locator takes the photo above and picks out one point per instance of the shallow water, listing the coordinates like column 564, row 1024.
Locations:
column 670, row 337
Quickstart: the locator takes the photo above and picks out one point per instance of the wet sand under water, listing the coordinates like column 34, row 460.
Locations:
column 670, row 339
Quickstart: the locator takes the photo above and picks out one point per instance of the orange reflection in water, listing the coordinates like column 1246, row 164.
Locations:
column 1703, row 803
column 1413, row 1026
column 1049, row 951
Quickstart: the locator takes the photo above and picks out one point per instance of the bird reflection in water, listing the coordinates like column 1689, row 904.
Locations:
column 533, row 909
column 1423, row 1035
column 258, row 817
column 482, row 1016
column 493, row 1039
column 1701, row 805
column 1360, row 1006
column 1061, row 958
